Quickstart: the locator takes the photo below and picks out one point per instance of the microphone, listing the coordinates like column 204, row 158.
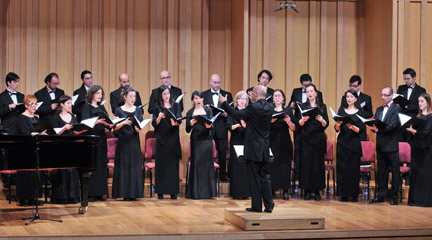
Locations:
column 293, row 6
column 281, row 7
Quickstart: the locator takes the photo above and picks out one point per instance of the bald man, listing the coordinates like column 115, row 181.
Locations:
column 115, row 98
column 165, row 78
column 258, row 117
column 219, row 130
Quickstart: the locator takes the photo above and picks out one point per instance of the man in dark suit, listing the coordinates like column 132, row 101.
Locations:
column 264, row 78
column 115, row 98
column 49, row 95
column 87, row 82
column 9, row 99
column 219, row 130
column 365, row 101
column 411, row 91
column 165, row 78
column 387, row 147
column 256, row 146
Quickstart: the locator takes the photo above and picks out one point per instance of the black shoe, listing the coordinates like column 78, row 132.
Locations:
column 307, row 196
column 126, row 199
column 223, row 178
column 355, row 199
column 393, row 201
column 377, row 200
column 174, row 196
column 317, row 197
column 160, row 197
column 285, row 196
column 32, row 202
column 268, row 210
column 22, row 203
column 133, row 199
column 252, row 210
column 343, row 199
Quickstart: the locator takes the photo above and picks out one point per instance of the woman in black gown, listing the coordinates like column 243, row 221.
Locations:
column 99, row 178
column 313, row 146
column 349, row 150
column 28, row 182
column 420, row 192
column 281, row 144
column 239, row 187
column 168, row 149
column 202, row 182
column 65, row 182
column 128, row 182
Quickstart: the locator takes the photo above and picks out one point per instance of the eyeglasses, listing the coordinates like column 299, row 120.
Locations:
column 354, row 86
column 385, row 95
column 168, row 77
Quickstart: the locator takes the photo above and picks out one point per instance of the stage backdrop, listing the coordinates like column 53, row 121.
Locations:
column 235, row 38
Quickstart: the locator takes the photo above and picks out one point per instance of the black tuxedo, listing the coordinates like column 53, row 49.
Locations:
column 175, row 92
column 219, row 129
column 8, row 116
column 412, row 109
column 82, row 93
column 387, row 147
column 45, row 111
column 256, row 149
column 117, row 101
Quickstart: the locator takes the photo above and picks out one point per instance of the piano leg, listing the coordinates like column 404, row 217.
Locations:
column 85, row 184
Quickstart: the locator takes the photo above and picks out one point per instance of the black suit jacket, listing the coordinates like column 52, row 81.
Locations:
column 175, row 92
column 116, row 100
column 412, row 109
column 366, row 103
column 8, row 116
column 82, row 93
column 258, row 117
column 219, row 129
column 45, row 111
column 388, row 138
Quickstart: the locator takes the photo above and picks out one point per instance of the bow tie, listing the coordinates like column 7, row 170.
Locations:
column 386, row 106
column 412, row 86
column 12, row 93
column 215, row 93
column 51, row 91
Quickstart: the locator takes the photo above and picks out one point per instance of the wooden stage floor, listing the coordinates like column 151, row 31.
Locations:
column 151, row 218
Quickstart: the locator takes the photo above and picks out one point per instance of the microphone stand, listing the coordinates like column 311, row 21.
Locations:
column 37, row 216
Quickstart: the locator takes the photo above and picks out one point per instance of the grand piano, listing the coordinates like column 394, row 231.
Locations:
column 24, row 152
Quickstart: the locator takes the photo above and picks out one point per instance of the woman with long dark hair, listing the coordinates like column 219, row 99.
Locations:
column 349, row 150
column 313, row 146
column 281, row 144
column 128, row 180
column 420, row 192
column 202, row 182
column 168, row 149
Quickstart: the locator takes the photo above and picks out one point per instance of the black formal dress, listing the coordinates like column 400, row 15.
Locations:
column 282, row 148
column 168, row 153
column 28, row 184
column 348, row 154
column 420, row 192
column 312, row 149
column 65, row 182
column 9, row 116
column 366, row 107
column 256, row 150
column 219, row 130
column 128, row 176
column 117, row 101
column 175, row 92
column 387, row 148
column 239, row 186
column 79, row 103
column 45, row 111
column 202, row 179
column 99, row 178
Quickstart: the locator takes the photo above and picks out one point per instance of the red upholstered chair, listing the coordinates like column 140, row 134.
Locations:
column 405, row 159
column 112, row 144
column 149, row 154
column 8, row 174
column 215, row 164
column 329, row 166
column 367, row 161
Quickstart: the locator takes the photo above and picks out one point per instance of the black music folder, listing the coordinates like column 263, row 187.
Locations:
column 401, row 100
column 406, row 121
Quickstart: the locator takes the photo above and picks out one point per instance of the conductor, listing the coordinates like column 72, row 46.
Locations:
column 256, row 146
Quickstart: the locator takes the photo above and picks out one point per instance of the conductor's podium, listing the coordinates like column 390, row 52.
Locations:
column 279, row 219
